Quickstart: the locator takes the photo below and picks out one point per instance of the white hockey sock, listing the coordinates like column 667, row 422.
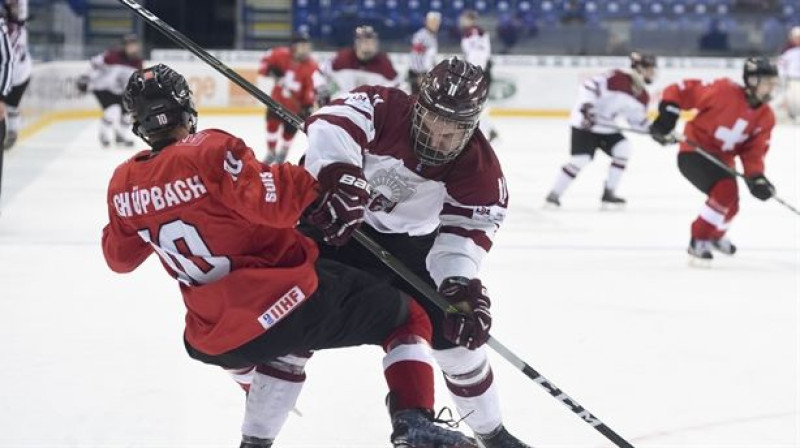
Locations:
column 110, row 122
column 470, row 381
column 619, row 159
column 13, row 119
column 569, row 172
column 273, row 394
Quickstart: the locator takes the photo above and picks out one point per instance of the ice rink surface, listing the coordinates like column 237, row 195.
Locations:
column 602, row 303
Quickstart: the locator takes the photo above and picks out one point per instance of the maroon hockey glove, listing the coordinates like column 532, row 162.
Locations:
column 469, row 327
column 344, row 193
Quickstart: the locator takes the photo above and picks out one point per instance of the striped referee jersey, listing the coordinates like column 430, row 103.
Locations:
column 6, row 59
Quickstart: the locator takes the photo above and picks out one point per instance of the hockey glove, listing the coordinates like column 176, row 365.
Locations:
column 305, row 112
column 760, row 187
column 275, row 72
column 339, row 210
column 470, row 326
column 82, row 84
column 661, row 129
column 589, row 116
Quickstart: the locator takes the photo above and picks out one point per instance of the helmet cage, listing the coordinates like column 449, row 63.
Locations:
column 437, row 139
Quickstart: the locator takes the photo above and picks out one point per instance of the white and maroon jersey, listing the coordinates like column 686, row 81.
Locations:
column 789, row 63
column 6, row 61
column 23, row 63
column 465, row 199
column 424, row 47
column 111, row 70
column 612, row 95
column 476, row 46
column 348, row 72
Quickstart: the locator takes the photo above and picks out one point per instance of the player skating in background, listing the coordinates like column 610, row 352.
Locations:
column 732, row 120
column 789, row 67
column 362, row 64
column 601, row 99
column 107, row 79
column 477, row 48
column 297, row 81
column 257, row 296
column 424, row 48
column 6, row 70
column 16, row 17
column 438, row 197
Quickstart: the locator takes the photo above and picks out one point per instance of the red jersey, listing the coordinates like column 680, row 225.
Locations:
column 223, row 225
column 295, row 89
column 725, row 125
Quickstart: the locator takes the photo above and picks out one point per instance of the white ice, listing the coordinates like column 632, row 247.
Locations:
column 601, row 303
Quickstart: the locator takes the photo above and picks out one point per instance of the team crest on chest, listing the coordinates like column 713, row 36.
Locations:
column 388, row 189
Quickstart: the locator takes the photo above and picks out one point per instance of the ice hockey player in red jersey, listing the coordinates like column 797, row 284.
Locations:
column 438, row 197
column 257, row 296
column 296, row 82
column 732, row 120
column 362, row 64
column 601, row 99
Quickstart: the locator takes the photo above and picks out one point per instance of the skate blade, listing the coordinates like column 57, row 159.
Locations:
column 609, row 207
column 550, row 206
column 699, row 263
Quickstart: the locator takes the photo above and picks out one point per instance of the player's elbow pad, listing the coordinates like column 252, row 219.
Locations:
column 668, row 113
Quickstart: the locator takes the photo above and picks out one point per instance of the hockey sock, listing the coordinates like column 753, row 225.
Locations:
column 273, row 394
column 243, row 377
column 469, row 378
column 273, row 132
column 569, row 172
column 108, row 125
column 715, row 215
column 408, row 364
column 619, row 159
column 14, row 119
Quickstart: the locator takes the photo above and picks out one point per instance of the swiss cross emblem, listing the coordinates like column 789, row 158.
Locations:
column 730, row 137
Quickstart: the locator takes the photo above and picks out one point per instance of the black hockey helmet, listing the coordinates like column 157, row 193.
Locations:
column 299, row 37
column 159, row 99
column 642, row 61
column 448, row 107
column 300, row 44
column 755, row 71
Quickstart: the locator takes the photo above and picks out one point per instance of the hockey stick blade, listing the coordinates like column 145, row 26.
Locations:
column 376, row 249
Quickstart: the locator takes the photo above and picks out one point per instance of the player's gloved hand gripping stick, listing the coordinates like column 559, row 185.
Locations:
column 393, row 263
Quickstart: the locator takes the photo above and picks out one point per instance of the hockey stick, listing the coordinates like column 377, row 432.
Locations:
column 387, row 258
column 710, row 157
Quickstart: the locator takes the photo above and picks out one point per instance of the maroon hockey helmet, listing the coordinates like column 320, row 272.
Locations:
column 365, row 42
column 448, row 107
column 159, row 99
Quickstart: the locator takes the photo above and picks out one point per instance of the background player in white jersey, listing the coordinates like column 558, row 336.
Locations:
column 107, row 80
column 477, row 48
column 6, row 68
column 789, row 68
column 16, row 16
column 438, row 197
column 361, row 65
column 424, row 48
column 601, row 99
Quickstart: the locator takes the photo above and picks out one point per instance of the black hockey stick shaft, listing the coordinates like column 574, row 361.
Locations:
column 387, row 258
column 699, row 149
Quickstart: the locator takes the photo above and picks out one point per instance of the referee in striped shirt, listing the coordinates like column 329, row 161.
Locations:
column 6, row 66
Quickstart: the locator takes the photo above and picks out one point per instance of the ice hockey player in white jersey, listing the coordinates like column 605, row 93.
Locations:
column 424, row 48
column 789, row 69
column 601, row 99
column 6, row 69
column 16, row 12
column 438, row 197
column 107, row 80
column 477, row 48
column 362, row 64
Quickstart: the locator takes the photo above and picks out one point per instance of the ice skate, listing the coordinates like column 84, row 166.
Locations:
column 724, row 246
column 105, row 142
column 552, row 201
column 123, row 141
column 611, row 201
column 700, row 253
column 255, row 442
column 11, row 139
column 500, row 438
column 415, row 428
column 269, row 159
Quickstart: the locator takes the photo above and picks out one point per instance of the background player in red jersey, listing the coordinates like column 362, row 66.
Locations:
column 296, row 83
column 732, row 120
column 223, row 225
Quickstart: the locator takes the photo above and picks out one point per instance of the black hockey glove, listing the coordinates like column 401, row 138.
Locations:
column 275, row 71
column 469, row 327
column 589, row 116
column 305, row 112
column 82, row 83
column 664, row 124
column 760, row 187
column 339, row 210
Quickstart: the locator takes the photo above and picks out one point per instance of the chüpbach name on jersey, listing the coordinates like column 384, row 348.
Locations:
column 282, row 307
column 269, row 184
column 140, row 201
